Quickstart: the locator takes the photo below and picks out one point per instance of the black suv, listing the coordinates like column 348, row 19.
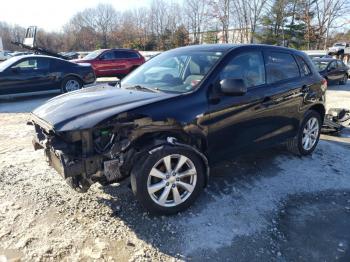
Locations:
column 179, row 113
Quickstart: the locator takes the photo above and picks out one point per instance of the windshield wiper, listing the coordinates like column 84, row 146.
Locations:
column 139, row 87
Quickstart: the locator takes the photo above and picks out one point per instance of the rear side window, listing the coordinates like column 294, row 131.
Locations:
column 304, row 68
column 280, row 66
column 126, row 54
column 248, row 66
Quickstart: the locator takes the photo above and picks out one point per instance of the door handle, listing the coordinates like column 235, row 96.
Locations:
column 268, row 101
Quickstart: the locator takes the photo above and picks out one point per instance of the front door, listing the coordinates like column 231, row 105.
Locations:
column 333, row 72
column 28, row 75
column 106, row 64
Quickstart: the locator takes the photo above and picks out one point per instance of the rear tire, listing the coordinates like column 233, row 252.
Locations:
column 305, row 142
column 70, row 84
column 177, row 189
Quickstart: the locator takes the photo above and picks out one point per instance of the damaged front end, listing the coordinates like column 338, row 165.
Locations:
column 103, row 154
column 84, row 157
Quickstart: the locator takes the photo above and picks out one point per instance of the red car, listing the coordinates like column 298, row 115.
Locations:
column 113, row 62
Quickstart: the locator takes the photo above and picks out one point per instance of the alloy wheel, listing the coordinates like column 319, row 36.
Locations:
column 172, row 180
column 72, row 85
column 310, row 133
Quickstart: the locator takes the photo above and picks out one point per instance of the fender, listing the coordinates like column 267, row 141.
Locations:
column 172, row 141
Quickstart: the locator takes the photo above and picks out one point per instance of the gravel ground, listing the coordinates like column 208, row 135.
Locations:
column 268, row 205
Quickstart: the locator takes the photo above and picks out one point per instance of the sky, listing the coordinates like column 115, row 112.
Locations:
column 51, row 15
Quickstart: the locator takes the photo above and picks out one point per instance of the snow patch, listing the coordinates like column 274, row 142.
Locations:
column 246, row 211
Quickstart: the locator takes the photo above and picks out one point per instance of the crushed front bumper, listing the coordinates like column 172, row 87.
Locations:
column 73, row 157
column 68, row 161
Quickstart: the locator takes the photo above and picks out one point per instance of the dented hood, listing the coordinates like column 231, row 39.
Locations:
column 87, row 107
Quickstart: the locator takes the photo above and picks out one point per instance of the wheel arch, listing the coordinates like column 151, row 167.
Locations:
column 196, row 140
column 153, row 140
column 72, row 75
column 320, row 108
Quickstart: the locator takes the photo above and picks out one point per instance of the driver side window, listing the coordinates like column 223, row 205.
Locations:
column 108, row 56
column 248, row 66
column 27, row 64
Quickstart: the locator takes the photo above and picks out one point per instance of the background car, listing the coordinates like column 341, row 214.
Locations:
column 39, row 74
column 113, row 62
column 338, row 49
column 4, row 55
column 70, row 55
column 333, row 70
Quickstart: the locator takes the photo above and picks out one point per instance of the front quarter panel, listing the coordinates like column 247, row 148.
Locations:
column 184, row 116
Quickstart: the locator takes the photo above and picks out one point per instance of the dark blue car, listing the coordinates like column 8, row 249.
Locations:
column 333, row 70
column 36, row 74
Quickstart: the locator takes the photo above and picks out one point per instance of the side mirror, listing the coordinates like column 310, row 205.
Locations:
column 233, row 87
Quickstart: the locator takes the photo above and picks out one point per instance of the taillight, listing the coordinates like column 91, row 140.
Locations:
column 324, row 83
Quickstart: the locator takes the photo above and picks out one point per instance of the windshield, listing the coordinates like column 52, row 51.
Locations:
column 339, row 44
column 173, row 71
column 320, row 65
column 92, row 55
column 8, row 63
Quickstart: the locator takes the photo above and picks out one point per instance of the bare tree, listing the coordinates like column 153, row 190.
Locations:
column 197, row 17
column 101, row 20
column 105, row 20
column 248, row 13
column 327, row 12
column 221, row 12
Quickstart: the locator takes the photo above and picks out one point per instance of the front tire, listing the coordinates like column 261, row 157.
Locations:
column 169, row 180
column 308, row 135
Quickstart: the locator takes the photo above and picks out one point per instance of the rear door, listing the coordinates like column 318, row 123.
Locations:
column 286, row 93
column 123, row 62
column 134, row 60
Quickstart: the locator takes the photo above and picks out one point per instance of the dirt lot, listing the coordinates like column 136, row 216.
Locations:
column 268, row 205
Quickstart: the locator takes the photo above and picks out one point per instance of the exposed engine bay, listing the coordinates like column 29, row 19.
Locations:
column 104, row 154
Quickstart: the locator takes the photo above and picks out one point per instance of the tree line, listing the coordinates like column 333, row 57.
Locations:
column 302, row 24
